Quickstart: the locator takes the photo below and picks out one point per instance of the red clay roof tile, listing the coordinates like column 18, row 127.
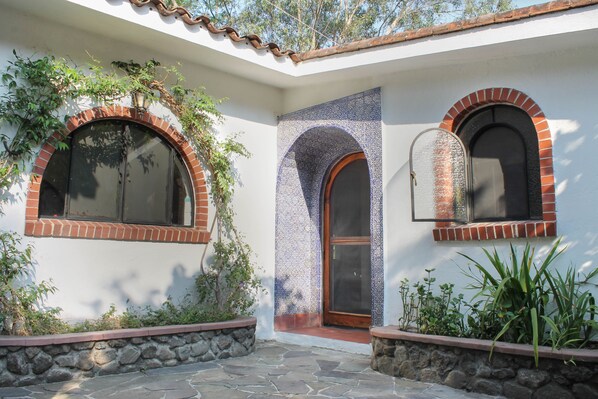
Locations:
column 481, row 21
column 187, row 17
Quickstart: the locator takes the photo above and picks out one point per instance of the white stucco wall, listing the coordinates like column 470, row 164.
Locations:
column 92, row 274
column 564, row 84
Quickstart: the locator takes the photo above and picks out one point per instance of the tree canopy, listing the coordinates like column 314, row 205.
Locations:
column 304, row 25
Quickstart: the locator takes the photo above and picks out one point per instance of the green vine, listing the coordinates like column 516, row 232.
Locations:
column 229, row 280
column 38, row 91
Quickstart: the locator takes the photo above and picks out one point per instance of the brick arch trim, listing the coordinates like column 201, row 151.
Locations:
column 512, row 229
column 49, row 227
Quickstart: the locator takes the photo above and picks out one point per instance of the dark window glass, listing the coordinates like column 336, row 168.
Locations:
column 504, row 164
column 350, row 287
column 498, row 169
column 54, row 184
column 147, row 178
column 182, row 202
column 350, row 199
column 117, row 171
column 95, row 179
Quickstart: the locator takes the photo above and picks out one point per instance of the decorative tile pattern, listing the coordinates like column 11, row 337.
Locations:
column 310, row 141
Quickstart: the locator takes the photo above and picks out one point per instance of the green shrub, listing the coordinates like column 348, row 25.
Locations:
column 136, row 317
column 517, row 292
column 34, row 91
column 517, row 300
column 533, row 304
column 441, row 314
column 410, row 304
column 46, row 322
column 229, row 285
column 483, row 321
column 21, row 311
column 188, row 312
column 572, row 323
column 107, row 321
column 432, row 314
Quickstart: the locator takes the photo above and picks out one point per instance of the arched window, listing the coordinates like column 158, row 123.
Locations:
column 117, row 171
column 504, row 166
column 486, row 172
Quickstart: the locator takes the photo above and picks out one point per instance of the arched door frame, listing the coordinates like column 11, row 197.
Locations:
column 329, row 316
column 298, row 257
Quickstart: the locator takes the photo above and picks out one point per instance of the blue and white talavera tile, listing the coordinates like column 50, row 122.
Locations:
column 310, row 142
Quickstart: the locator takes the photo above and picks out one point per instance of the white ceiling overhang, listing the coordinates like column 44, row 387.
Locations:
column 145, row 26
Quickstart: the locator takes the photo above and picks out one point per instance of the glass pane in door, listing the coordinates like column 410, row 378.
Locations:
column 347, row 271
column 350, row 201
column 350, row 287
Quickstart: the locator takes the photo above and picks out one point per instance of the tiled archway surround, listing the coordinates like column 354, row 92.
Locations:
column 310, row 141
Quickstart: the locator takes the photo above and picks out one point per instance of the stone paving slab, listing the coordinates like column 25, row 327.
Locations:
column 275, row 370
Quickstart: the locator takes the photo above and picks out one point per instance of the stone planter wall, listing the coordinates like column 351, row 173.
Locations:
column 54, row 358
column 465, row 364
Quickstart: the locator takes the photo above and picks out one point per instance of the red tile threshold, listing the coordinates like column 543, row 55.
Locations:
column 358, row 335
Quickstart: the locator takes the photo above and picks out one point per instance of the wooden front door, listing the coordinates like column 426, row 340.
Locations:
column 347, row 249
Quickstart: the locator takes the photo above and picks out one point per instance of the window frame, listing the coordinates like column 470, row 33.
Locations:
column 470, row 139
column 456, row 151
column 544, row 227
column 122, row 186
column 36, row 226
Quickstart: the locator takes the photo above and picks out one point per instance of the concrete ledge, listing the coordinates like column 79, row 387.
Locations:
column 393, row 332
column 58, row 339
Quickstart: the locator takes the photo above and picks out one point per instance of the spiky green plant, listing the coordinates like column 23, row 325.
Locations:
column 517, row 291
column 572, row 323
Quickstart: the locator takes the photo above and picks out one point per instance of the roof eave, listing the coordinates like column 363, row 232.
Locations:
column 453, row 27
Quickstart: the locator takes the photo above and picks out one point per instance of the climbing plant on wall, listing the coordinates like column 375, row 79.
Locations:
column 38, row 91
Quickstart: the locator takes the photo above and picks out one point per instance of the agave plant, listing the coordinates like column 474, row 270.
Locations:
column 572, row 323
column 518, row 292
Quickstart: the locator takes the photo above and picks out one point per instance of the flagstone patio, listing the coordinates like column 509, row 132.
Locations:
column 275, row 370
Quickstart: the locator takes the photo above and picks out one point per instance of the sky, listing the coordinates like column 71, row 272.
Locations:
column 526, row 3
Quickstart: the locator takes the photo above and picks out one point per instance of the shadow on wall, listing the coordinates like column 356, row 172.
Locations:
column 298, row 216
column 16, row 195
column 290, row 299
column 315, row 152
column 264, row 311
column 179, row 287
column 576, row 189
column 419, row 100
column 411, row 249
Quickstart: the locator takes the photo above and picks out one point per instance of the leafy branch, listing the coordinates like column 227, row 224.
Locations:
column 38, row 91
column 230, row 283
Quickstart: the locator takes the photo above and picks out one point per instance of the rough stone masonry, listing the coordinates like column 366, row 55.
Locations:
column 512, row 376
column 20, row 366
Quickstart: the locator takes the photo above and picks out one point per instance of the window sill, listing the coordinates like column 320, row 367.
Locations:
column 114, row 231
column 495, row 231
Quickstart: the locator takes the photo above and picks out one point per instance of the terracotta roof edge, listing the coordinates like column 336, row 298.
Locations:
column 452, row 27
column 180, row 12
column 256, row 42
